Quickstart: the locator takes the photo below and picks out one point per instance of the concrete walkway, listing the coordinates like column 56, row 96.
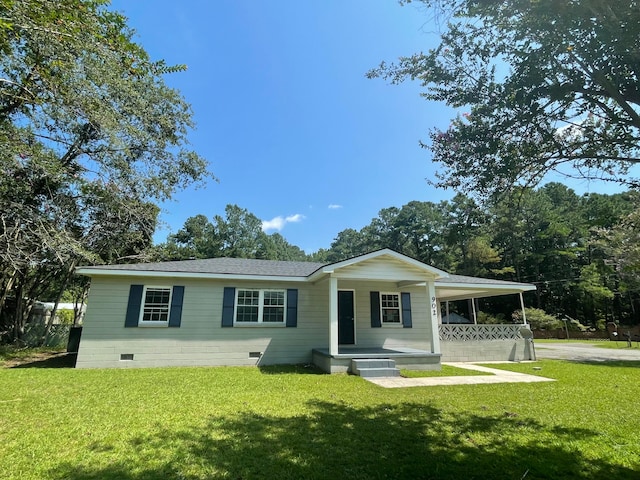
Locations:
column 495, row 376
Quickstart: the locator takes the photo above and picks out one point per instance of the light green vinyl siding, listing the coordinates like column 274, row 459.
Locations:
column 200, row 340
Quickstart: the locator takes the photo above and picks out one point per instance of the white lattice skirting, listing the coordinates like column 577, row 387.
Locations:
column 467, row 333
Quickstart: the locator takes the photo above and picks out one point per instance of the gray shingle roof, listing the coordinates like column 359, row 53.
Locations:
column 230, row 266
column 268, row 268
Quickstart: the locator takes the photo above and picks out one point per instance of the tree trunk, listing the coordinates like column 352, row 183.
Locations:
column 6, row 290
column 63, row 286
column 18, row 321
column 79, row 302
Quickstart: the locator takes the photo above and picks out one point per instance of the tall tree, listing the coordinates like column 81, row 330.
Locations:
column 237, row 234
column 542, row 239
column 422, row 227
column 541, row 85
column 619, row 245
column 466, row 222
column 349, row 243
column 90, row 138
column 240, row 232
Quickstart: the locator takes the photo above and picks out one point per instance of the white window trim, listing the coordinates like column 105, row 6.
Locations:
column 391, row 324
column 143, row 323
column 260, row 323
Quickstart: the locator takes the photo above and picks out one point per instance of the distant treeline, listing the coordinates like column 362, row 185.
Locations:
column 581, row 251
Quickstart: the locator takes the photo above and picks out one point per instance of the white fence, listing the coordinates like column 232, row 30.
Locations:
column 468, row 333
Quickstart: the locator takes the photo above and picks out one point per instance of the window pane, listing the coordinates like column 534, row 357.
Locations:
column 273, row 311
column 247, row 314
column 248, row 297
column 273, row 298
column 250, row 309
column 390, row 315
column 156, row 305
column 273, row 314
column 390, row 301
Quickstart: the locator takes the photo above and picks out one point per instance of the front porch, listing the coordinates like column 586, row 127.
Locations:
column 384, row 310
column 341, row 362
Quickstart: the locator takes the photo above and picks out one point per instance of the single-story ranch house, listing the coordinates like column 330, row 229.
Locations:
column 226, row 311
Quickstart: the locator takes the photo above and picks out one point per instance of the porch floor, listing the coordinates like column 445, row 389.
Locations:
column 410, row 358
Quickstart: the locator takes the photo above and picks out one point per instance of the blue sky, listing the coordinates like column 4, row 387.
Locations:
column 291, row 127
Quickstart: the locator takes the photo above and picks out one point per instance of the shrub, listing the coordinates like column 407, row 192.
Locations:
column 538, row 319
column 487, row 318
column 65, row 317
column 575, row 326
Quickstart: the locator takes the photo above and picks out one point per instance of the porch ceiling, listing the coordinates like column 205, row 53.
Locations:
column 450, row 293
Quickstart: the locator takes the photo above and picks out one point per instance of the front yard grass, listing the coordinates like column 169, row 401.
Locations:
column 294, row 423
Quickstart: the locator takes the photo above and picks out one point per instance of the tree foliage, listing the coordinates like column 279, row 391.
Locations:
column 580, row 251
column 545, row 85
column 538, row 319
column 90, row 138
column 237, row 234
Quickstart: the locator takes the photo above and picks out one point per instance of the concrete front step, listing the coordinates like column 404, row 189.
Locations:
column 378, row 372
column 358, row 363
column 374, row 367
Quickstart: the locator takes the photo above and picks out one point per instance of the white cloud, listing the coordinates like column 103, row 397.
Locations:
column 278, row 223
column 334, row 206
column 294, row 218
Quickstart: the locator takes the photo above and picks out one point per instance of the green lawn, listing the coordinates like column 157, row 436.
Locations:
column 293, row 423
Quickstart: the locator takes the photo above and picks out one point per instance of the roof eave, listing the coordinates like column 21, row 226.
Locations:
column 104, row 272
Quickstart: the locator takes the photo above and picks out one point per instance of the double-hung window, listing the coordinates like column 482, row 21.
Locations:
column 391, row 310
column 260, row 307
column 155, row 307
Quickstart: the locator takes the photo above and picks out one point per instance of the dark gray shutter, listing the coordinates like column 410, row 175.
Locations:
column 175, row 314
column 405, row 298
column 292, row 307
column 375, row 310
column 133, row 307
column 228, row 302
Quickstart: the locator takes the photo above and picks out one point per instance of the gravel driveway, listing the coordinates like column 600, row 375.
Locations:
column 586, row 352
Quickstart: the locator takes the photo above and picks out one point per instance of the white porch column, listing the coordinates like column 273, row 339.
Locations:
column 333, row 315
column 473, row 308
column 524, row 315
column 433, row 317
